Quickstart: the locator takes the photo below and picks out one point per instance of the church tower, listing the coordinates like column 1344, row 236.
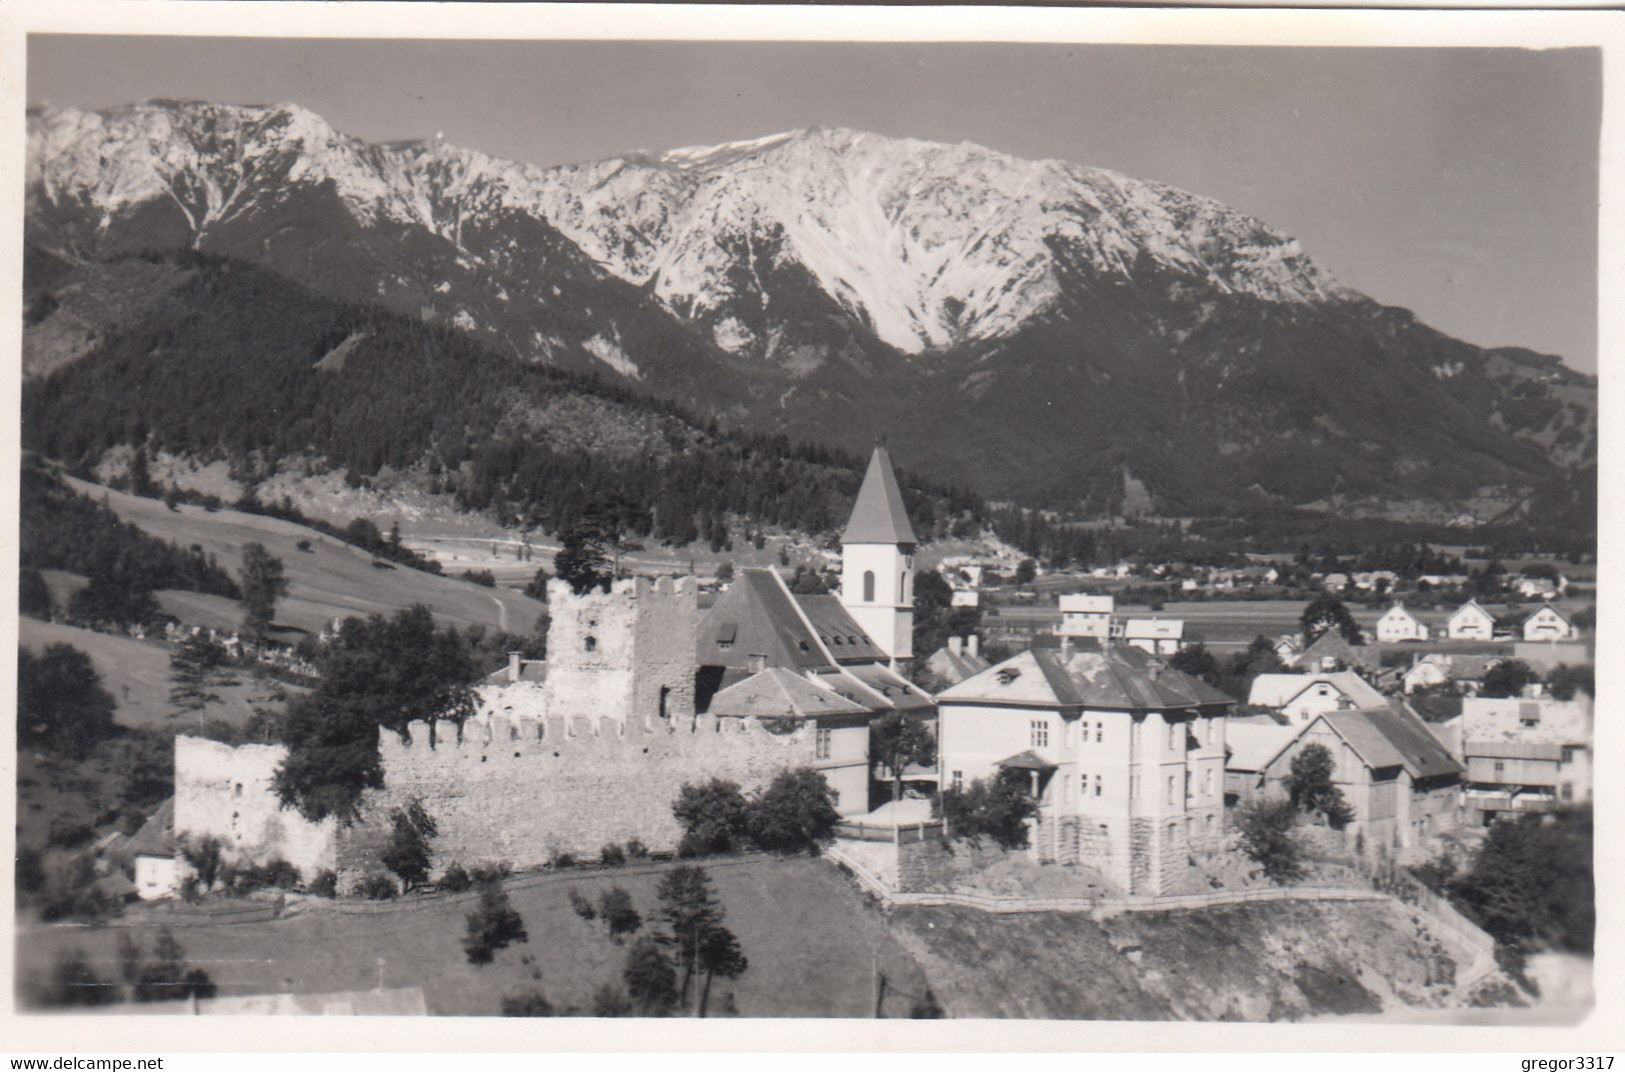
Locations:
column 877, row 562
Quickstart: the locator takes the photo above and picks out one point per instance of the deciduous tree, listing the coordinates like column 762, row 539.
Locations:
column 900, row 739
column 263, row 583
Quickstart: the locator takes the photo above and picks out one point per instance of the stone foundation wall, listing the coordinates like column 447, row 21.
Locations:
column 934, row 862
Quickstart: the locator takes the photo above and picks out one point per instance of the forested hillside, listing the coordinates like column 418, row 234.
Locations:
column 237, row 363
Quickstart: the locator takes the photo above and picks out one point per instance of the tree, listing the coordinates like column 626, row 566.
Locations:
column 407, row 855
column 1564, row 681
column 1311, row 787
column 1026, row 571
column 615, row 908
column 725, row 573
column 900, row 739
column 611, row 1000
column 1326, row 612
column 692, row 913
column 33, row 596
column 493, row 925
column 74, row 982
column 1532, row 885
column 61, row 705
column 719, row 955
column 167, row 978
column 1266, row 837
column 537, row 586
column 998, row 808
column 795, row 813
column 1196, row 661
column 195, row 668
column 377, row 674
column 204, row 857
column 263, row 583
column 713, row 817
column 1507, row 679
column 651, row 982
column 590, row 550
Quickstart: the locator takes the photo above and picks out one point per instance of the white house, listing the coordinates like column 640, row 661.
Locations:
column 158, row 863
column 1124, row 755
column 1157, row 636
column 1086, row 616
column 1470, row 622
column 1548, row 623
column 1399, row 625
column 1303, row 696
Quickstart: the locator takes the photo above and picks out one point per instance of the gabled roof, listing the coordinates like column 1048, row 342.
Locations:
column 1541, row 610
column 955, row 668
column 1116, row 676
column 780, row 693
column 1389, row 736
column 840, row 633
column 757, row 615
column 1252, row 746
column 885, row 685
column 879, row 516
column 1331, row 644
column 157, row 835
column 1470, row 605
column 1028, row 760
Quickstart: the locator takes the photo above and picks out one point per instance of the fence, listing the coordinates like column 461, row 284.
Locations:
column 912, row 834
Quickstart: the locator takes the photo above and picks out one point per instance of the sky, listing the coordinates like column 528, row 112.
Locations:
column 1460, row 183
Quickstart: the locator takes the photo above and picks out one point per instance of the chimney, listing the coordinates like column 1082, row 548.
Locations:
column 514, row 667
column 1345, row 704
column 758, row 663
column 955, row 645
column 972, row 643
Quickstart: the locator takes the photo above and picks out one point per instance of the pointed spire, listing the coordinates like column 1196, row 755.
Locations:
column 878, row 516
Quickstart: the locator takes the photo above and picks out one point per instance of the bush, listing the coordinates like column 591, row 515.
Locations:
column 562, row 861
column 611, row 1000
column 611, row 855
column 493, row 926
column 455, row 880
column 615, row 906
column 375, row 887
column 997, row 808
column 325, row 884
column 483, row 577
column 74, row 983
column 795, row 813
column 407, row 855
column 651, row 981
column 167, row 978
column 714, row 818
column 1266, row 837
column 491, row 872
column 581, row 906
column 636, row 850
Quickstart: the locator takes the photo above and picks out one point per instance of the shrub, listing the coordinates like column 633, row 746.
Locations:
column 581, row 906
column 491, row 872
column 493, row 925
column 1266, row 838
column 483, row 577
column 407, row 854
column 611, row 1000
column 637, row 850
column 611, row 855
column 167, row 978
column 74, row 982
column 375, row 887
column 304, row 545
column 325, row 884
column 714, row 818
column 561, row 861
column 795, row 813
column 998, row 808
column 615, row 906
column 455, row 880
column 651, row 981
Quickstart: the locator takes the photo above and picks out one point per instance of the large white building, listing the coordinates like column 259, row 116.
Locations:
column 1085, row 616
column 1124, row 755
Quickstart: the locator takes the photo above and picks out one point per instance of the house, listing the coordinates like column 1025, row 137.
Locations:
column 1523, row 754
column 1399, row 625
column 1252, row 764
column 958, row 660
column 1539, row 587
column 1400, row 781
column 1303, row 696
column 158, row 864
column 1466, row 672
column 1548, row 623
column 1085, row 616
column 1158, row 636
column 1335, row 582
column 1331, row 652
column 1288, row 648
column 1470, row 622
column 965, row 597
column 841, row 726
column 1124, row 755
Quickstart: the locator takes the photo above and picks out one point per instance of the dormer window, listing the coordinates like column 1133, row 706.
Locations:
column 1004, row 677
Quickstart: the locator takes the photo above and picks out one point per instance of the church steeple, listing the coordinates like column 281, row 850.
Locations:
column 877, row 561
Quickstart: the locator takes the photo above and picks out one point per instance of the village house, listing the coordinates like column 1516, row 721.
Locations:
column 158, row 865
column 1470, row 622
column 1464, row 672
column 1331, row 652
column 1548, row 623
column 1522, row 754
column 1085, row 616
column 1399, row 625
column 1252, row 767
column 1288, row 648
column 1300, row 697
column 1124, row 755
column 957, row 660
column 1158, row 636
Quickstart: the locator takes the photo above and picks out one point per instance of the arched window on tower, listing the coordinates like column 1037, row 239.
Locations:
column 591, row 643
column 868, row 586
column 902, row 587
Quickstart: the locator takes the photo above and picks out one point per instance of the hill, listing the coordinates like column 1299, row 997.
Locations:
column 1035, row 329
column 331, row 580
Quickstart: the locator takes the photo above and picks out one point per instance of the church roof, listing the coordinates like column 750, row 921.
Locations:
column 879, row 516
column 837, row 629
column 757, row 615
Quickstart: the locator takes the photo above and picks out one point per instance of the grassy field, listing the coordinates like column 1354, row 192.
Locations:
column 136, row 674
column 331, row 580
column 810, row 938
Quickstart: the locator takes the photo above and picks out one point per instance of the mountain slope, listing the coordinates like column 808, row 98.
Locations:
column 1032, row 328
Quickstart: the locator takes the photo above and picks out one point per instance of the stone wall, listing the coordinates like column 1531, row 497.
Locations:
column 226, row 792
column 935, row 863
column 626, row 654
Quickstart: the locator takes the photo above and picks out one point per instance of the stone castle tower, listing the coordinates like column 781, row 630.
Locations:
column 626, row 654
column 877, row 562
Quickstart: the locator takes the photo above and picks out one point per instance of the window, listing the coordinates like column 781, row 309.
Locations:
column 1085, row 785
column 902, row 587
column 1568, row 753
column 1187, row 785
column 822, row 744
column 1100, row 784
column 1207, row 782
column 1500, row 767
column 665, row 701
column 1100, row 731
column 868, row 586
column 591, row 643
column 239, row 789
column 1568, row 790
column 959, row 780
column 1209, row 823
column 1170, row 789
column 1040, row 733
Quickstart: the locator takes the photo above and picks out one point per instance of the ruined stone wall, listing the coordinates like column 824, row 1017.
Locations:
column 226, row 792
column 526, row 790
column 611, row 654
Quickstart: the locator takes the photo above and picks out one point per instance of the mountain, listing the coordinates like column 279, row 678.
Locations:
column 1034, row 329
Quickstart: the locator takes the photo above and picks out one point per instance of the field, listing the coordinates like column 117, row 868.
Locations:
column 810, row 938
column 331, row 580
column 136, row 674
